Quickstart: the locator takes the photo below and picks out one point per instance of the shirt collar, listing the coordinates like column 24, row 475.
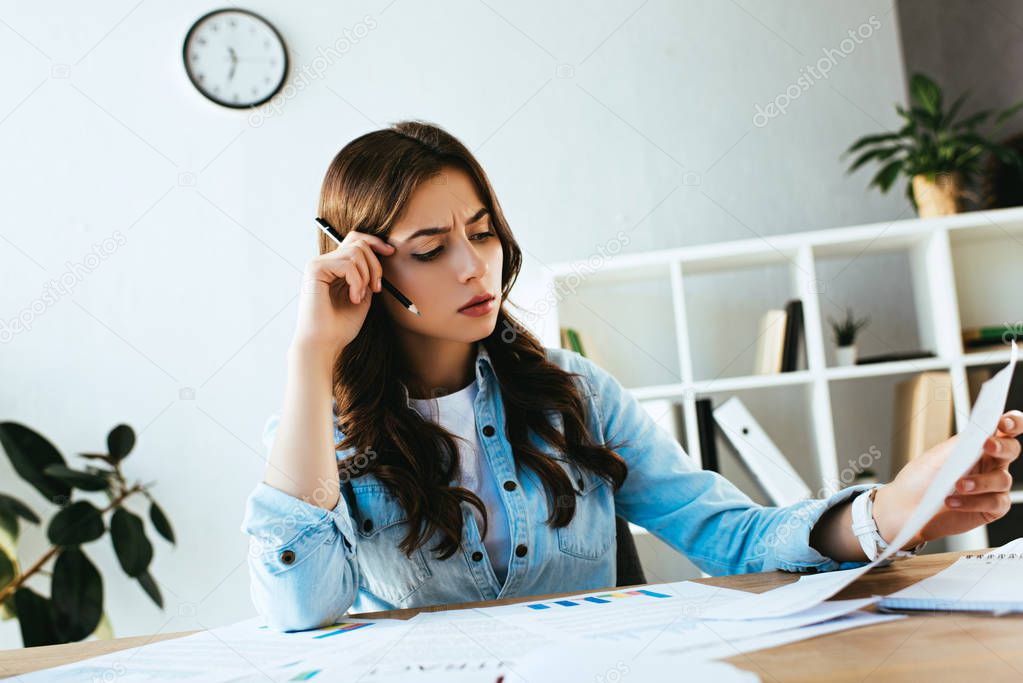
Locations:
column 483, row 365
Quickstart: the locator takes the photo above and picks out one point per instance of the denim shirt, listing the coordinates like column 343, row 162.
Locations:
column 310, row 566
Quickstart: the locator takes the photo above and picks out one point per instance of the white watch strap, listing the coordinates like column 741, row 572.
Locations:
column 864, row 527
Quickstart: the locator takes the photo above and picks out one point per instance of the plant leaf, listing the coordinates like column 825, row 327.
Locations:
column 104, row 631
column 18, row 508
column 79, row 522
column 77, row 593
column 8, row 570
column 872, row 140
column 1008, row 113
column 145, row 579
column 29, row 453
column 160, row 521
column 887, row 175
column 134, row 551
column 878, row 153
column 85, row 481
column 35, row 617
column 97, row 456
column 120, row 441
column 926, row 92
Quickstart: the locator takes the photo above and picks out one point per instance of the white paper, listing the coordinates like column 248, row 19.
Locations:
column 228, row 653
column 812, row 589
column 987, row 583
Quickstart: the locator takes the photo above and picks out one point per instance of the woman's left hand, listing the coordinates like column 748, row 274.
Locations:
column 981, row 495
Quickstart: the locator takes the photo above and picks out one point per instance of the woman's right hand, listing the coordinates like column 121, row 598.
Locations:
column 336, row 291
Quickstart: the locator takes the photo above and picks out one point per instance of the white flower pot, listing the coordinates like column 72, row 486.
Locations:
column 845, row 355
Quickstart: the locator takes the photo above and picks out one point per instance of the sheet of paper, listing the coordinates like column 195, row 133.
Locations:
column 228, row 653
column 793, row 635
column 656, row 614
column 812, row 589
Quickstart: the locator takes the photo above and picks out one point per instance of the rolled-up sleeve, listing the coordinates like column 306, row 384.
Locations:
column 302, row 558
column 698, row 512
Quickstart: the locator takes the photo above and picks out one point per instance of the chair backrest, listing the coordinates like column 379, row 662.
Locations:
column 630, row 571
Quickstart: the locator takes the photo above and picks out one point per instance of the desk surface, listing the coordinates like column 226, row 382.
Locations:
column 932, row 647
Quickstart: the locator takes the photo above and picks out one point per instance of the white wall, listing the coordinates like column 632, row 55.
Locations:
column 590, row 119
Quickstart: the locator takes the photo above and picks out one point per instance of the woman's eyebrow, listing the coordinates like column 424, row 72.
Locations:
column 441, row 230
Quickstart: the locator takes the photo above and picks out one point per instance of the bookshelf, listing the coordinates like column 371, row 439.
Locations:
column 638, row 314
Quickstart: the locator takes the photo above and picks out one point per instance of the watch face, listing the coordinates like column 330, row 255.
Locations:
column 235, row 58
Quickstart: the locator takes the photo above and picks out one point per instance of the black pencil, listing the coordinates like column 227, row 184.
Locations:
column 402, row 299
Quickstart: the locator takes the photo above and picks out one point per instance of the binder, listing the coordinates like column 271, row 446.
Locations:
column 765, row 463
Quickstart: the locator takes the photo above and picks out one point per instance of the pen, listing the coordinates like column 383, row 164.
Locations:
column 402, row 299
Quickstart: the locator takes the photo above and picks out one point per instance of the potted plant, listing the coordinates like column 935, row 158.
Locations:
column 939, row 153
column 74, row 609
column 844, row 333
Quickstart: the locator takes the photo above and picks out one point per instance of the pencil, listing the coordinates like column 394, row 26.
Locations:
column 402, row 299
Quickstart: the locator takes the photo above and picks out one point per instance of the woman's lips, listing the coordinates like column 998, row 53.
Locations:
column 479, row 309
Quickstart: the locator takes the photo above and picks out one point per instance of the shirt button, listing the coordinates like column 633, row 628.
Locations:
column 477, row 556
column 488, row 430
column 288, row 556
column 510, row 485
column 367, row 525
column 520, row 550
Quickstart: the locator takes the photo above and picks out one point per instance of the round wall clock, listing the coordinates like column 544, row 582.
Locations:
column 235, row 58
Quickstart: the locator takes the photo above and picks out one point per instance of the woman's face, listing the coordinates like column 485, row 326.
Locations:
column 446, row 253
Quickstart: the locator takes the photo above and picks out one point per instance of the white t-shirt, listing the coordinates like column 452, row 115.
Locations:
column 455, row 413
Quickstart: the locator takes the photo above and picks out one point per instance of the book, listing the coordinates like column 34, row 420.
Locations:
column 708, row 437
column 765, row 463
column 923, row 415
column 770, row 342
column 994, row 334
column 973, row 583
column 792, row 347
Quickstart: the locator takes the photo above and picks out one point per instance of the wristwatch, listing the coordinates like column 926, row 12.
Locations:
column 864, row 527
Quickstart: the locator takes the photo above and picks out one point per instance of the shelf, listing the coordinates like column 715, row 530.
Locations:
column 782, row 379
column 671, row 324
column 901, row 367
column 986, row 357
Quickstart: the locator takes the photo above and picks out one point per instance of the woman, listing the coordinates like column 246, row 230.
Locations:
column 461, row 460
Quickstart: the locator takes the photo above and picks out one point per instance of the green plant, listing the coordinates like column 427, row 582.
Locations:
column 844, row 332
column 932, row 141
column 74, row 609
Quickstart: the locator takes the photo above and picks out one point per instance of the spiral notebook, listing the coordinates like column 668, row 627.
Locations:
column 988, row 582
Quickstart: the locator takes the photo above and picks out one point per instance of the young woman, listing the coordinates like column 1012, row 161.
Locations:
column 448, row 456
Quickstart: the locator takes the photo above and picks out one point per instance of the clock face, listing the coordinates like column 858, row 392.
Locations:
column 235, row 58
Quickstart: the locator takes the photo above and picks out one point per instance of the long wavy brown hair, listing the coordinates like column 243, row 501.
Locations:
column 366, row 188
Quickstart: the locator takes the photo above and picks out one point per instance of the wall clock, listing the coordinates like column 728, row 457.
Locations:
column 235, row 58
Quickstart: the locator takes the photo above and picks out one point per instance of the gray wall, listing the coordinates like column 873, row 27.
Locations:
column 590, row 119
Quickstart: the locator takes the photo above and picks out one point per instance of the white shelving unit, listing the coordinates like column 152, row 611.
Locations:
column 942, row 256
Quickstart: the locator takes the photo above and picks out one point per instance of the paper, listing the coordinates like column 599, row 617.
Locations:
column 988, row 583
column 230, row 653
column 812, row 589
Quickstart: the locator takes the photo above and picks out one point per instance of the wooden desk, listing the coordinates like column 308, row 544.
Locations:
column 932, row 648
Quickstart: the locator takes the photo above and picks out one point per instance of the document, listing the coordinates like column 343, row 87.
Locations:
column 229, row 653
column 811, row 589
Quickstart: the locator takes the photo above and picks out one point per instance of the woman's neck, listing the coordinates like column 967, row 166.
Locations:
column 437, row 366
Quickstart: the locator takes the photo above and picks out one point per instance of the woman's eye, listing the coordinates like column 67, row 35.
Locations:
column 428, row 256
column 434, row 253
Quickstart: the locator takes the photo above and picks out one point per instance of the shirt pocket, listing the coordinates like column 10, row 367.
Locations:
column 590, row 534
column 381, row 523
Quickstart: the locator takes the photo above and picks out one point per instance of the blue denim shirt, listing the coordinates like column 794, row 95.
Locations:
column 310, row 566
